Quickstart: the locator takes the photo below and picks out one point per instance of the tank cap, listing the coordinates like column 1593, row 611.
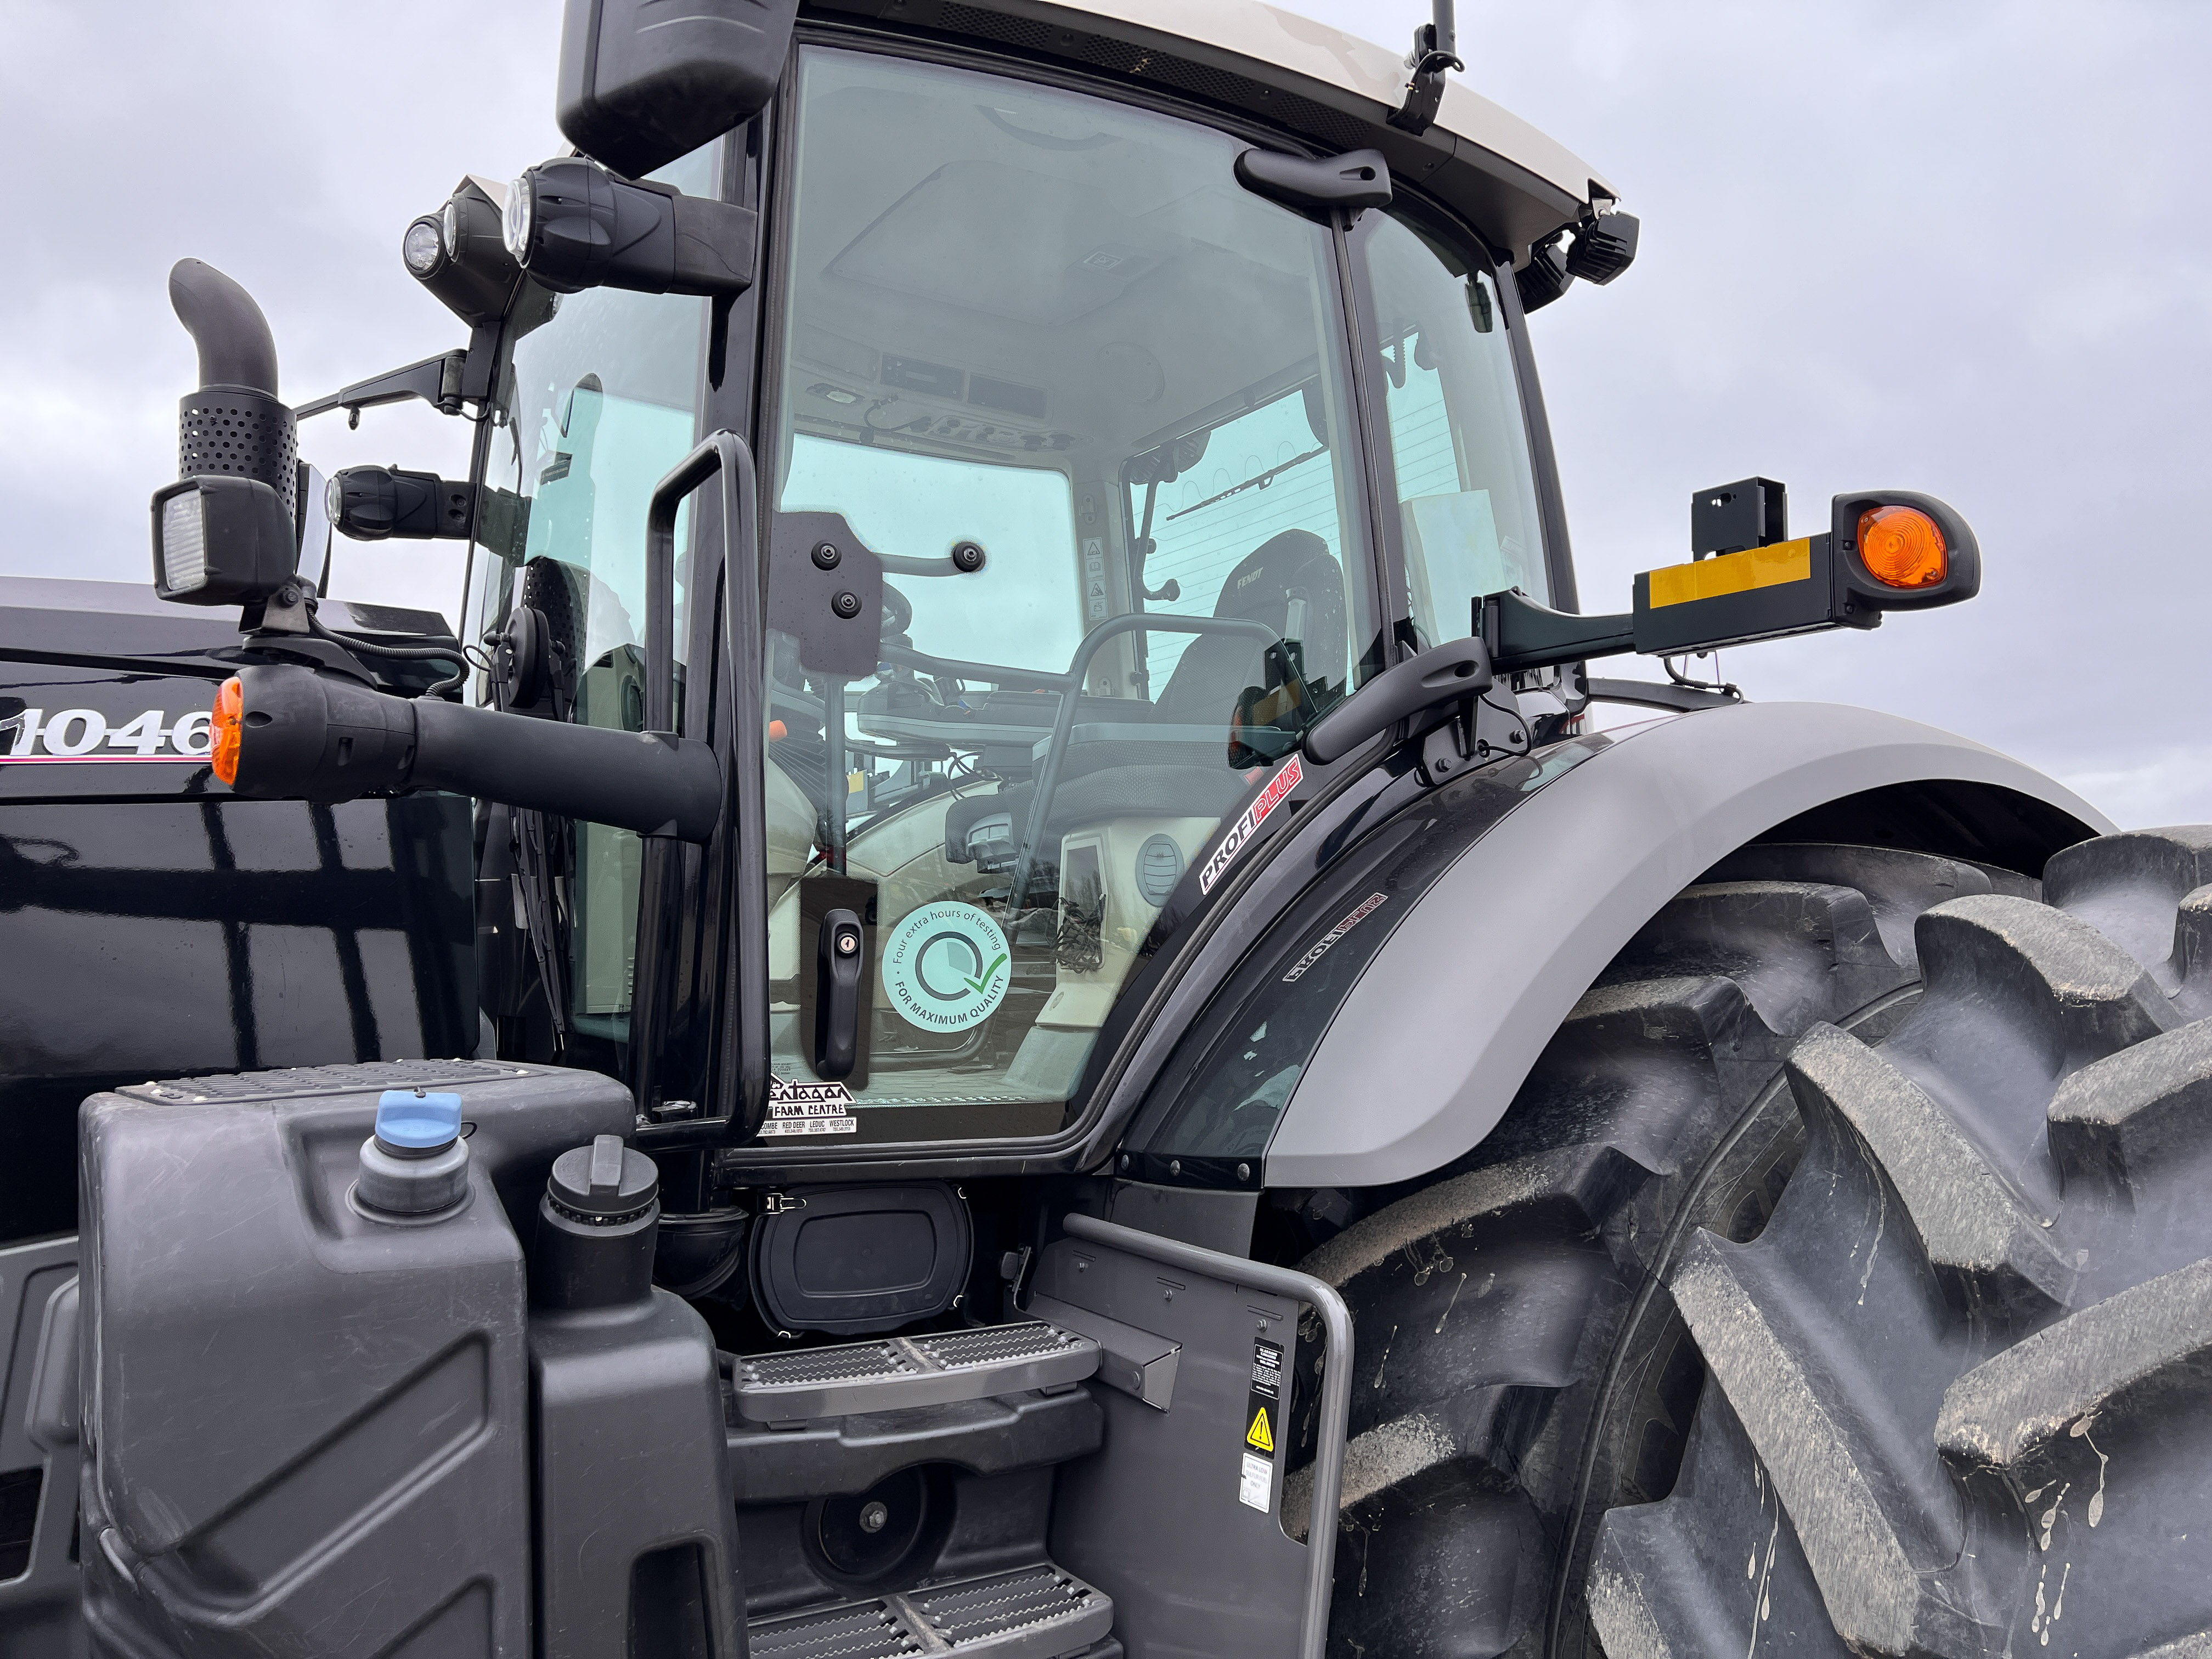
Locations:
column 410, row 1121
column 605, row 1183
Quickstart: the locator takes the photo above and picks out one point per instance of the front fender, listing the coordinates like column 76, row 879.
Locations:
column 1423, row 1056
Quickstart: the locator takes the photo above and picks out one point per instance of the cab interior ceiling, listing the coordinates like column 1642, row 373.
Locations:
column 993, row 309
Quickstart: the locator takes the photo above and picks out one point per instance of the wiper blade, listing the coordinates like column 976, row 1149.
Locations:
column 1257, row 481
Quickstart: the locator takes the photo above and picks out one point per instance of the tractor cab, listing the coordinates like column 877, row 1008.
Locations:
column 1090, row 426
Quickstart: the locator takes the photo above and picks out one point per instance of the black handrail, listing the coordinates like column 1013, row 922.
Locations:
column 722, row 455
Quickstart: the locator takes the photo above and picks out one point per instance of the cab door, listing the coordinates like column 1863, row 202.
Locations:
column 1067, row 541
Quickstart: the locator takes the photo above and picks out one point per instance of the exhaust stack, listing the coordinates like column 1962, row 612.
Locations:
column 233, row 425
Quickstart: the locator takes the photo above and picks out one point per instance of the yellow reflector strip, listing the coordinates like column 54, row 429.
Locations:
column 1733, row 573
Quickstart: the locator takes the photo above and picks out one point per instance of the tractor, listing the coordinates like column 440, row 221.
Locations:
column 1000, row 995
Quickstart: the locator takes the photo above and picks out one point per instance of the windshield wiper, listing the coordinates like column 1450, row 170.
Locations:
column 1257, row 481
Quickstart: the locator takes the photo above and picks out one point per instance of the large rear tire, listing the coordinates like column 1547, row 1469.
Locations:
column 1957, row 1401
column 1529, row 1389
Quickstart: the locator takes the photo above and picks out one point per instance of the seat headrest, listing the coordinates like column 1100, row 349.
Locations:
column 1263, row 579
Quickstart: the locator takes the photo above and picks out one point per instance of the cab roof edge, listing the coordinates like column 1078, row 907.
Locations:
column 1514, row 181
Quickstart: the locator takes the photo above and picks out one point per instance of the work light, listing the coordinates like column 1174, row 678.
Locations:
column 221, row 539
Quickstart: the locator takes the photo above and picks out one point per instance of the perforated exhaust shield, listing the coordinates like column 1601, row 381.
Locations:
column 235, row 430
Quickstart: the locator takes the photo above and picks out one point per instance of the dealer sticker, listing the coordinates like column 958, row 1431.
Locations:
column 808, row 1109
column 946, row 966
column 1263, row 1419
column 1248, row 825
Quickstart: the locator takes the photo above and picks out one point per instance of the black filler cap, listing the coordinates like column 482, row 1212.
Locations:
column 604, row 1184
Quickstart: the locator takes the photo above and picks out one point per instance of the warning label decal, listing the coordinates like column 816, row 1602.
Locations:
column 1255, row 1478
column 808, row 1109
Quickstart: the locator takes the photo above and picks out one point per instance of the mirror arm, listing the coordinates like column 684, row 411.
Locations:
column 445, row 382
column 1522, row 634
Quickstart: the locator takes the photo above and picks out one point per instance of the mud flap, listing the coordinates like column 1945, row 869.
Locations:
column 1179, row 1518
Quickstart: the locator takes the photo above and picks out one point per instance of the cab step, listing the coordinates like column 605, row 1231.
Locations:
column 785, row 1462
column 900, row 1371
column 1039, row 1612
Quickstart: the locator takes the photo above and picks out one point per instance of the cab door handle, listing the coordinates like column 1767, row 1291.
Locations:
column 840, row 970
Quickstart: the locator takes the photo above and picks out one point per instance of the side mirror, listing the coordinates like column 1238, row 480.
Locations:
column 643, row 81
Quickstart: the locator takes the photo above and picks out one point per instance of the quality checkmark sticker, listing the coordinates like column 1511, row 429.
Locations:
column 981, row 987
column 926, row 957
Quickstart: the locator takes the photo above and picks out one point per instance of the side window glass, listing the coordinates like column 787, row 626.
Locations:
column 1443, row 369
column 1263, row 479
column 597, row 398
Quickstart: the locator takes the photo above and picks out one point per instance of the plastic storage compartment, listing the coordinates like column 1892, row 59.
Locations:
column 853, row 1260
column 307, row 1422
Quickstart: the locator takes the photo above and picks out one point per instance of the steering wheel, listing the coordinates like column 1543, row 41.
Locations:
column 1069, row 688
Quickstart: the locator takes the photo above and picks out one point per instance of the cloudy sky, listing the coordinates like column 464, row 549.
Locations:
column 1959, row 248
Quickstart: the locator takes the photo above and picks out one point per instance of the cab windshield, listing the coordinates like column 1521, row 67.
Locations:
column 1058, row 329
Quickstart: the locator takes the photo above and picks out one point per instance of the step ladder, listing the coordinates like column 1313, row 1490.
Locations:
column 901, row 1371
column 1036, row 1612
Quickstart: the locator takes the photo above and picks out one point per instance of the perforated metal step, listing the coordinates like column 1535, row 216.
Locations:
column 909, row 1370
column 1030, row 1613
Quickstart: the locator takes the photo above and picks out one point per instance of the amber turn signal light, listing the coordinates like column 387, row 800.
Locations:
column 1902, row 547
column 229, row 710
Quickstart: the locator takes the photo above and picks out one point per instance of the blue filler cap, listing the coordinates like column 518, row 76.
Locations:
column 420, row 1122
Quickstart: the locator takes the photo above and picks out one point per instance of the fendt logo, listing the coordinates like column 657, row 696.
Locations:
column 78, row 736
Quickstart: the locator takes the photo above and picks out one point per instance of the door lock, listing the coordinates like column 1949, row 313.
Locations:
column 841, row 950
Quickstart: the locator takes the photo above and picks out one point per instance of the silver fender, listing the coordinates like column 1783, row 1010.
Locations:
column 1424, row 1056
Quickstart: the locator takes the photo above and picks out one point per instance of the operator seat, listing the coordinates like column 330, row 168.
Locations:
column 1290, row 565
column 1168, row 777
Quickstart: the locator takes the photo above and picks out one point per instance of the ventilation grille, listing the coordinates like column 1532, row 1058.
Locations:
column 1160, row 866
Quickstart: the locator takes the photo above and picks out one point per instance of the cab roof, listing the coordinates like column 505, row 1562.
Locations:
column 1517, row 185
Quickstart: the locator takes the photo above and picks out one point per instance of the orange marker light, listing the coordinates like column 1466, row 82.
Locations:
column 1902, row 547
column 229, row 709
column 776, row 731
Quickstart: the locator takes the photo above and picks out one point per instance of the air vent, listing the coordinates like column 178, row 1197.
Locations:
column 1160, row 866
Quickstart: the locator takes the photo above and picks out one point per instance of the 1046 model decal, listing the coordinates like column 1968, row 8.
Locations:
column 79, row 736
